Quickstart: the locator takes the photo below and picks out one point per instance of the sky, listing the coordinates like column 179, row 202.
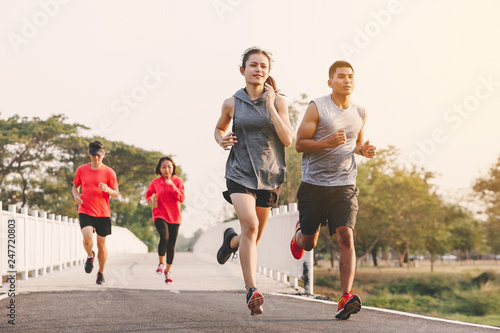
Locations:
column 154, row 74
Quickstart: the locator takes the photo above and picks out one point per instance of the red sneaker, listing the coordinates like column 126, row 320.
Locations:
column 254, row 301
column 348, row 305
column 297, row 251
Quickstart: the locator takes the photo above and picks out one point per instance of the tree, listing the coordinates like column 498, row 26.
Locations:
column 488, row 190
column 28, row 149
column 398, row 208
column 293, row 158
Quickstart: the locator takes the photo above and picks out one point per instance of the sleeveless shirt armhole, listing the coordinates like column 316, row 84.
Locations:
column 362, row 113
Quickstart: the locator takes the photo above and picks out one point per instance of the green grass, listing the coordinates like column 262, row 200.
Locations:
column 466, row 295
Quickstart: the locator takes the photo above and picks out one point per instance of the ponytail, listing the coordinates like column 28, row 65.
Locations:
column 272, row 82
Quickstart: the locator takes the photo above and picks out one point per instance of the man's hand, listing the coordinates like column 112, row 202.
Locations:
column 103, row 187
column 336, row 139
column 78, row 200
column 368, row 149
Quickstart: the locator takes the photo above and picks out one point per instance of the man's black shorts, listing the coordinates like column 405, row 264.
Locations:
column 263, row 198
column 319, row 205
column 102, row 225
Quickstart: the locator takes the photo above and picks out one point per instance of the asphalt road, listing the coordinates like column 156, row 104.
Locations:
column 205, row 297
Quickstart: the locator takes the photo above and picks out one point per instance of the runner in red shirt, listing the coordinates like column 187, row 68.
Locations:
column 93, row 186
column 165, row 194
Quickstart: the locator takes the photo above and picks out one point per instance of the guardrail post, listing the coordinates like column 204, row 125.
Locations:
column 34, row 243
column 308, row 269
column 60, row 264
column 44, row 270
column 24, row 270
column 52, row 263
column 66, row 250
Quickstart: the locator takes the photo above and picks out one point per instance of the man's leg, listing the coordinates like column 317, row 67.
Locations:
column 88, row 242
column 102, row 253
column 306, row 242
column 347, row 262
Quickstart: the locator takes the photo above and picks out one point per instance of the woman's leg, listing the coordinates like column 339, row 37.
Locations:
column 173, row 230
column 161, row 226
column 262, row 215
column 244, row 205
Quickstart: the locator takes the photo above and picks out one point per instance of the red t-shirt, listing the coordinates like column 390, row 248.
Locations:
column 95, row 202
column 169, row 197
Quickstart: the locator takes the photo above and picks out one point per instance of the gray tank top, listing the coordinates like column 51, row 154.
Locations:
column 334, row 166
column 257, row 160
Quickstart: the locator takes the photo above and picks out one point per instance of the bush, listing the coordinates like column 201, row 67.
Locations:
column 330, row 281
column 483, row 278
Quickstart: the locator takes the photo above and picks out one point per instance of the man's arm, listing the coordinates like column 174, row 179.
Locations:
column 307, row 128
column 364, row 148
column 76, row 195
column 113, row 192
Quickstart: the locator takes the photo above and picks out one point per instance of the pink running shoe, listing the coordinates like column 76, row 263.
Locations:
column 168, row 277
column 160, row 269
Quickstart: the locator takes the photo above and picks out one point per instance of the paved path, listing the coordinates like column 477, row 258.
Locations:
column 205, row 297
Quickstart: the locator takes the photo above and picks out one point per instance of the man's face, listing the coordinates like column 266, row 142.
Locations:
column 342, row 82
column 96, row 159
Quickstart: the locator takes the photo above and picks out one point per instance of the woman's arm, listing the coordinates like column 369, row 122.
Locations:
column 224, row 140
column 280, row 117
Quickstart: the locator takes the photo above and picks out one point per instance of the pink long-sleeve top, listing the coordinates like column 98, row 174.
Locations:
column 169, row 197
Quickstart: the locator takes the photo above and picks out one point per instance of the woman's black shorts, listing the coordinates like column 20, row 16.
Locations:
column 263, row 198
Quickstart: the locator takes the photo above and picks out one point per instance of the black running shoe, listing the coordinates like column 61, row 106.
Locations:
column 89, row 264
column 254, row 301
column 100, row 278
column 225, row 250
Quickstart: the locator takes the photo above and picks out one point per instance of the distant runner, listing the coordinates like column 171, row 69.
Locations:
column 165, row 195
column 93, row 186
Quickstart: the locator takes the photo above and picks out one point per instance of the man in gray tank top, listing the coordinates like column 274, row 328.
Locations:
column 329, row 136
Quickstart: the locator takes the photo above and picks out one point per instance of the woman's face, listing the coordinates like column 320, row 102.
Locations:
column 166, row 169
column 256, row 69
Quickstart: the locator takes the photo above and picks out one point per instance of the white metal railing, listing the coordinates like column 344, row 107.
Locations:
column 38, row 243
column 273, row 251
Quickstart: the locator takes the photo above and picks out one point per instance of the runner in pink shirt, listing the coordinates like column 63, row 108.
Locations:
column 165, row 194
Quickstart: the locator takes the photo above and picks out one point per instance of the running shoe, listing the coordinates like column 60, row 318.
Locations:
column 225, row 250
column 168, row 277
column 89, row 264
column 348, row 305
column 254, row 301
column 100, row 278
column 297, row 251
column 160, row 269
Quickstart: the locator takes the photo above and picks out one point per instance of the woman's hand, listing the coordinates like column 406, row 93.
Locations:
column 152, row 202
column 228, row 141
column 271, row 95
